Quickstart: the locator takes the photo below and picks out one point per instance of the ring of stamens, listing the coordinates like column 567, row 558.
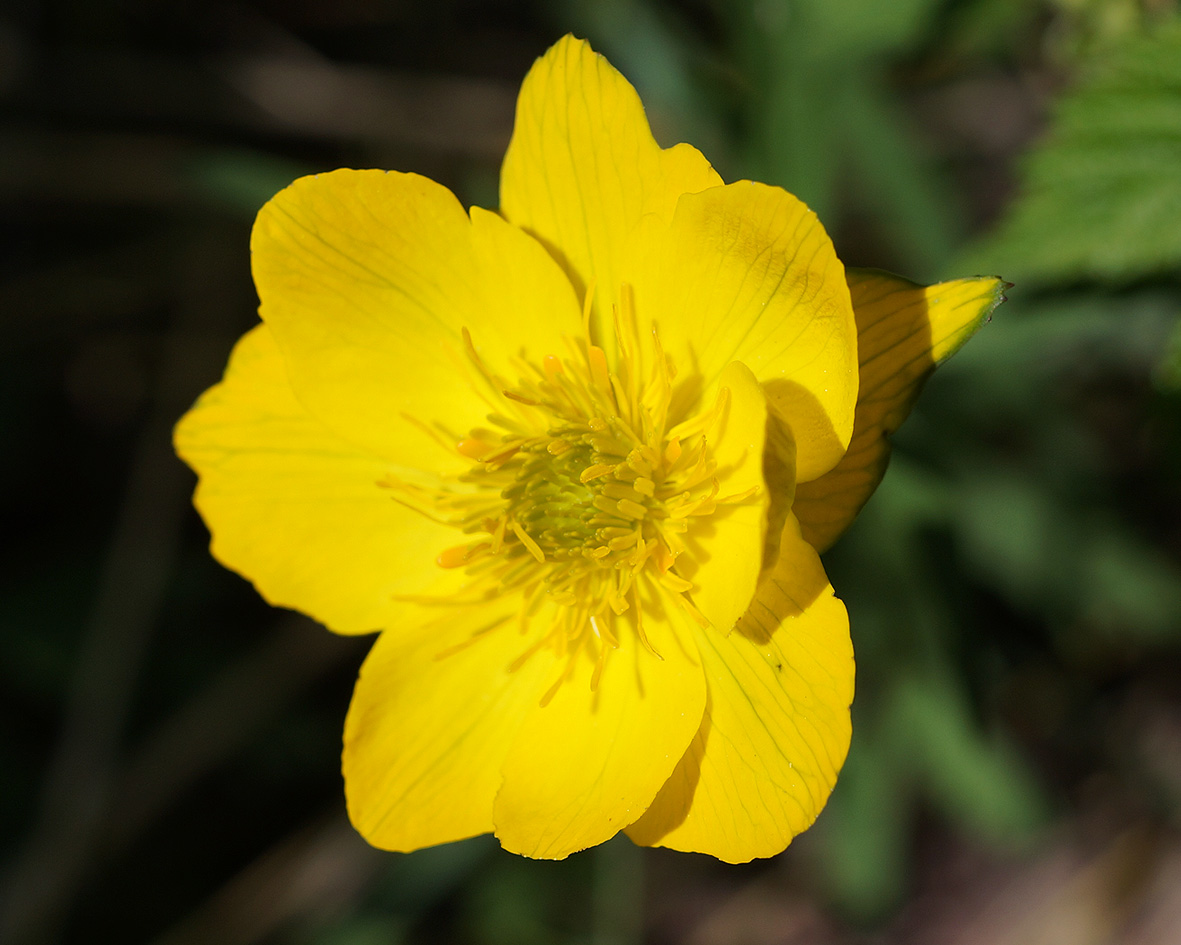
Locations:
column 582, row 490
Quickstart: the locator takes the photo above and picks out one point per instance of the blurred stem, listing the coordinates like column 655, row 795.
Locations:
column 618, row 894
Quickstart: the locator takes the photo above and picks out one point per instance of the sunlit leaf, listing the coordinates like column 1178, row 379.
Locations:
column 1102, row 193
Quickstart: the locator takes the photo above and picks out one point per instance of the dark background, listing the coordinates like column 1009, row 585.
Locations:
column 169, row 745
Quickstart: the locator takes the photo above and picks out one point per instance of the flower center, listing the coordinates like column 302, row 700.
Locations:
column 583, row 488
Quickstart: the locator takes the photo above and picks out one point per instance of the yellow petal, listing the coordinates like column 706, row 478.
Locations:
column 723, row 563
column 904, row 330
column 776, row 726
column 747, row 273
column 590, row 761
column 582, row 168
column 368, row 279
column 430, row 724
column 296, row 509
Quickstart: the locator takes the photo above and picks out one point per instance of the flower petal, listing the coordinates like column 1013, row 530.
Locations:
column 368, row 279
column 747, row 273
column 904, row 330
column 582, row 168
column 590, row 761
column 430, row 724
column 776, row 727
column 724, row 563
column 296, row 509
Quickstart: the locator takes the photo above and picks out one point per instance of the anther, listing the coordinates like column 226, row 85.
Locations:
column 632, row 509
column 474, row 449
column 595, row 472
column 453, row 557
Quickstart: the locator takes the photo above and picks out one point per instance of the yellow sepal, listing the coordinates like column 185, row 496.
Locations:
column 903, row 331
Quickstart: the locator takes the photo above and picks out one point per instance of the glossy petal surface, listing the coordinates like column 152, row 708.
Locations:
column 296, row 508
column 589, row 762
column 368, row 280
column 582, row 169
column 776, row 726
column 435, row 710
column 747, row 273
column 725, row 560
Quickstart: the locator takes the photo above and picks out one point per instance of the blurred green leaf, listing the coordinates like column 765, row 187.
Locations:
column 1011, row 531
column 1064, row 561
column 240, row 180
column 862, row 28
column 978, row 781
column 987, row 27
column 1132, row 589
column 1102, row 194
column 919, row 740
column 361, row 930
column 415, row 882
column 1168, row 372
column 819, row 116
column 509, row 906
column 866, row 829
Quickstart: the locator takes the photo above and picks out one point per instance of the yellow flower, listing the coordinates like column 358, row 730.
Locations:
column 574, row 461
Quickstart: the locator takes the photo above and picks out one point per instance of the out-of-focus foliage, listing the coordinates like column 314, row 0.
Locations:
column 1018, row 469
column 1102, row 192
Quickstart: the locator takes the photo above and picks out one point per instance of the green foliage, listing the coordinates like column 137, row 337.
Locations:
column 240, row 180
column 1102, row 194
column 818, row 116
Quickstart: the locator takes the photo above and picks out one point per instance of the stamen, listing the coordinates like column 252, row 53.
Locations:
column 566, row 674
column 643, row 637
column 675, row 582
column 476, row 635
column 697, row 615
column 534, row 548
column 588, row 301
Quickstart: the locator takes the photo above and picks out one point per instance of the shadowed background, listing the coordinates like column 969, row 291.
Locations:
column 169, row 745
